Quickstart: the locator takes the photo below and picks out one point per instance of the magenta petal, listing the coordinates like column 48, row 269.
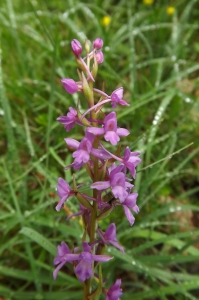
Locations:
column 116, row 245
column 124, row 103
column 63, row 249
column 119, row 92
column 61, row 202
column 100, row 185
column 81, row 156
column 129, row 215
column 72, row 143
column 130, row 201
column 122, row 132
column 119, row 192
column 110, row 233
column 101, row 258
column 95, row 130
column 55, row 272
column 136, row 209
column 101, row 154
column 86, row 247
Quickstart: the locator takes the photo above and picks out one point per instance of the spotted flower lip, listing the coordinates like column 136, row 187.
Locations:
column 110, row 130
column 83, row 269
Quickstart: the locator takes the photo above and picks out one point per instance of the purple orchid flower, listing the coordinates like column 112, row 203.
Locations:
column 70, row 119
column 83, row 269
column 115, row 291
column 110, row 130
column 116, row 98
column 64, row 191
column 117, row 181
column 130, row 159
column 84, row 150
column 130, row 203
column 110, row 237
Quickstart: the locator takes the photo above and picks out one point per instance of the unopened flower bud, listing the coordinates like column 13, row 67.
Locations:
column 76, row 47
column 70, row 85
column 98, row 43
column 99, row 57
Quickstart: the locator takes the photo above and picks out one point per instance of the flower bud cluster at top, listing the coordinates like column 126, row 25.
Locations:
column 109, row 172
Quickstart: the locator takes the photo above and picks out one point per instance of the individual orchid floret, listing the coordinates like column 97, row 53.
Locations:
column 70, row 119
column 83, row 269
column 130, row 159
column 63, row 252
column 76, row 47
column 98, row 43
column 130, row 203
column 116, row 98
column 110, row 130
column 99, row 57
column 84, row 150
column 64, row 191
column 117, row 181
column 115, row 291
column 110, row 237
column 70, row 85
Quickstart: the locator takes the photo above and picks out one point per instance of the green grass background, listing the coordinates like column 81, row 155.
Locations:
column 154, row 56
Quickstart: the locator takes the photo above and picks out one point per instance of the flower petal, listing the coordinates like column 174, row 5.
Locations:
column 100, row 185
column 83, row 270
column 129, row 215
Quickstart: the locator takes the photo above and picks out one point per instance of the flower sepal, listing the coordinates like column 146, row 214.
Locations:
column 105, row 213
column 84, row 121
column 88, row 93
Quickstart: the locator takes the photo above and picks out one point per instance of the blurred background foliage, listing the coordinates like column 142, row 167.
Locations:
column 151, row 48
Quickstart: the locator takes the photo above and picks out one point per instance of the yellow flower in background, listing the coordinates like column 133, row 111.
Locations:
column 170, row 10
column 148, row 2
column 106, row 21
